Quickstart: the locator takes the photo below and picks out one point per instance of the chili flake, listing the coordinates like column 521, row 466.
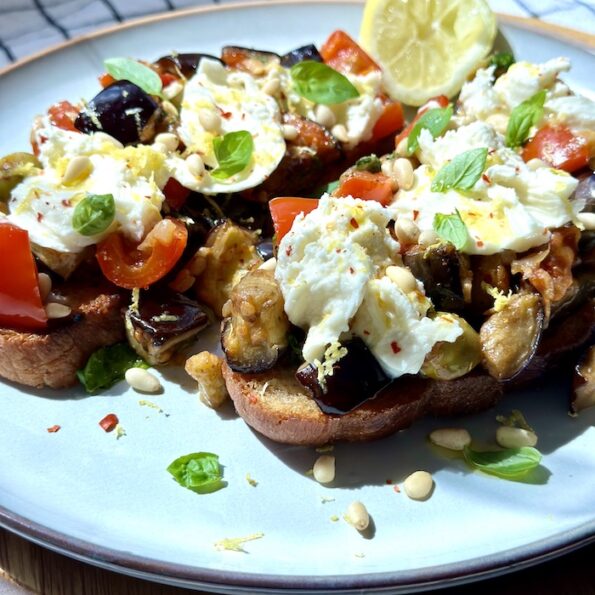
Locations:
column 109, row 422
column 54, row 429
column 395, row 347
column 415, row 214
column 354, row 223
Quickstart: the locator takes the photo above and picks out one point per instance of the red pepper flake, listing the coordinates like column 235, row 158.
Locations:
column 54, row 429
column 491, row 215
column 354, row 223
column 352, row 270
column 39, row 217
column 395, row 347
column 66, row 202
column 389, row 481
column 397, row 489
column 479, row 244
column 288, row 250
column 253, row 400
column 109, row 422
column 225, row 115
column 415, row 214
column 366, row 332
column 486, row 178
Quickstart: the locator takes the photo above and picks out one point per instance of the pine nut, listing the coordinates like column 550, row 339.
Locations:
column 269, row 265
column 45, row 285
column 588, row 220
column 106, row 138
column 535, row 164
column 510, row 437
column 324, row 116
column 427, row 238
column 169, row 140
column 407, row 231
column 324, row 469
column 403, row 173
column 173, row 90
column 169, row 108
column 340, row 133
column 195, row 165
column 289, row 132
column 498, row 121
column 209, row 120
column 451, row 438
column 77, row 170
column 403, row 278
column 272, row 86
column 142, row 380
column 418, row 485
column 357, row 516
column 387, row 167
column 54, row 310
column 402, row 147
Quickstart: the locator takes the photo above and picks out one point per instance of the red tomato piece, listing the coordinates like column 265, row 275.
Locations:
column 105, row 80
column 109, row 422
column 342, row 53
column 167, row 78
column 63, row 114
column 390, row 122
column 285, row 209
column 440, row 101
column 138, row 266
column 175, row 194
column 367, row 186
column 559, row 147
column 20, row 299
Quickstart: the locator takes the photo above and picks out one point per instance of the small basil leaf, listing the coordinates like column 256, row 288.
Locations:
column 369, row 163
column 435, row 120
column 135, row 72
column 326, row 189
column 94, row 214
column 233, row 152
column 508, row 464
column 451, row 228
column 462, row 172
column 321, row 83
column 522, row 117
column 107, row 366
column 502, row 61
column 198, row 471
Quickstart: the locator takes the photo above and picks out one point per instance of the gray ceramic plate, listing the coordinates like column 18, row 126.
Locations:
column 111, row 502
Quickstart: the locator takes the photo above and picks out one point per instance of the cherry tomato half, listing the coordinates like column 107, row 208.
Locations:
column 367, row 186
column 285, row 209
column 342, row 53
column 138, row 266
column 391, row 120
column 560, row 148
column 20, row 300
column 63, row 114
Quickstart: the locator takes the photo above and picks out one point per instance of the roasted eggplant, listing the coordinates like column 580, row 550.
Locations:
column 583, row 382
column 161, row 322
column 254, row 334
column 356, row 377
column 256, row 62
column 181, row 64
column 122, row 110
column 306, row 52
column 510, row 336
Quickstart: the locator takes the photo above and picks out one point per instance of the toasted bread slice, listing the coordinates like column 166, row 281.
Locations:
column 52, row 358
column 275, row 404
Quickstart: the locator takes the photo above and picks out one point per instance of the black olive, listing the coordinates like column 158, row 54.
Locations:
column 356, row 378
column 265, row 249
column 187, row 64
column 306, row 52
column 121, row 110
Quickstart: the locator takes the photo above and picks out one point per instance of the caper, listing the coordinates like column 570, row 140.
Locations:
column 13, row 169
column 447, row 361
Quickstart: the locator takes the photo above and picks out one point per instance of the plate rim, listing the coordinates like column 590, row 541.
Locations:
column 571, row 36
column 182, row 575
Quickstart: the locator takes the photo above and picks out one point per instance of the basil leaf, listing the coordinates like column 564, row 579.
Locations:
column 522, row 117
column 94, row 214
column 508, row 464
column 327, row 188
column 108, row 365
column 198, row 471
column 452, row 229
column 233, row 152
column 135, row 72
column 369, row 163
column 462, row 172
column 321, row 83
column 502, row 61
column 435, row 120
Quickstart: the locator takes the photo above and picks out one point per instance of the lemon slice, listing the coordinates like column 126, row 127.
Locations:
column 427, row 47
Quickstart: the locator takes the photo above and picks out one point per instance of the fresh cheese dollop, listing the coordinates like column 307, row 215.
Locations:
column 217, row 101
column 352, row 121
column 44, row 205
column 512, row 206
column 331, row 268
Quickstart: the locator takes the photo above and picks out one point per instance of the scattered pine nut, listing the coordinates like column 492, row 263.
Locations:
column 510, row 437
column 45, row 285
column 142, row 380
column 54, row 310
column 77, row 170
column 324, row 469
column 357, row 516
column 418, row 486
column 451, row 438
